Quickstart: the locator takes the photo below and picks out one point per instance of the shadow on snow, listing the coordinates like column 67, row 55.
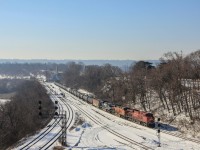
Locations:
column 166, row 127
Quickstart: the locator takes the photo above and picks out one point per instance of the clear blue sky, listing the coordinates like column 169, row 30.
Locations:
column 98, row 29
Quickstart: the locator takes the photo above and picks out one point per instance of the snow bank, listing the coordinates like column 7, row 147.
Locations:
column 3, row 101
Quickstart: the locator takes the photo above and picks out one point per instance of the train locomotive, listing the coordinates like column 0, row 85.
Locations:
column 137, row 116
column 134, row 115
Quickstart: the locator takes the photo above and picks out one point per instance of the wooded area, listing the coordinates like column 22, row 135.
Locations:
column 174, row 83
column 19, row 117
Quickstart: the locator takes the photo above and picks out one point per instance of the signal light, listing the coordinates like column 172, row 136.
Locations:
column 158, row 132
column 56, row 113
column 56, row 107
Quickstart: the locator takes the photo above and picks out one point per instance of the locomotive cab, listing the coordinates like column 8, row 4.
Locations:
column 150, row 120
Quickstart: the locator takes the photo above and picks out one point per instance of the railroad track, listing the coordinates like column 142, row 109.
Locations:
column 169, row 133
column 70, row 119
column 131, row 141
column 180, row 136
column 47, row 144
column 163, row 131
column 57, row 136
column 43, row 134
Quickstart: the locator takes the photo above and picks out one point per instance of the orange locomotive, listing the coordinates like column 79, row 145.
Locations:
column 122, row 111
column 140, row 117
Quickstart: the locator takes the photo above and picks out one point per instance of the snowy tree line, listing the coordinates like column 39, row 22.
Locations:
column 19, row 117
column 174, row 83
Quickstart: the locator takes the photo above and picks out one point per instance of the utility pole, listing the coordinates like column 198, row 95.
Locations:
column 64, row 129
column 158, row 127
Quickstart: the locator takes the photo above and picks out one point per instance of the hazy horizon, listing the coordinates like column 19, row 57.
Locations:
column 76, row 59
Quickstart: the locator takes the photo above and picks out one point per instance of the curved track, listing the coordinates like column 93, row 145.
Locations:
column 95, row 120
column 181, row 136
column 44, row 133
column 165, row 132
column 48, row 142
column 70, row 119
column 69, row 123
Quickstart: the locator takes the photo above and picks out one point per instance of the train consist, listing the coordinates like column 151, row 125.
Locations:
column 137, row 116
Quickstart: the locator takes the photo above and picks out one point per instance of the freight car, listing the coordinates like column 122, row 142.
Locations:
column 134, row 115
column 89, row 100
column 122, row 111
column 79, row 95
column 85, row 97
column 96, row 103
column 104, row 105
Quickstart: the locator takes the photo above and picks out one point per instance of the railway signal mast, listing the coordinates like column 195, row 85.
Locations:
column 63, row 125
column 40, row 107
column 64, row 129
column 56, row 108
column 158, row 134
column 63, row 116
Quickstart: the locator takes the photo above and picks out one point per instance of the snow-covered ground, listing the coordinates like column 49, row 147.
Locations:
column 3, row 101
column 86, row 92
column 13, row 77
column 49, row 136
column 95, row 129
column 96, row 136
